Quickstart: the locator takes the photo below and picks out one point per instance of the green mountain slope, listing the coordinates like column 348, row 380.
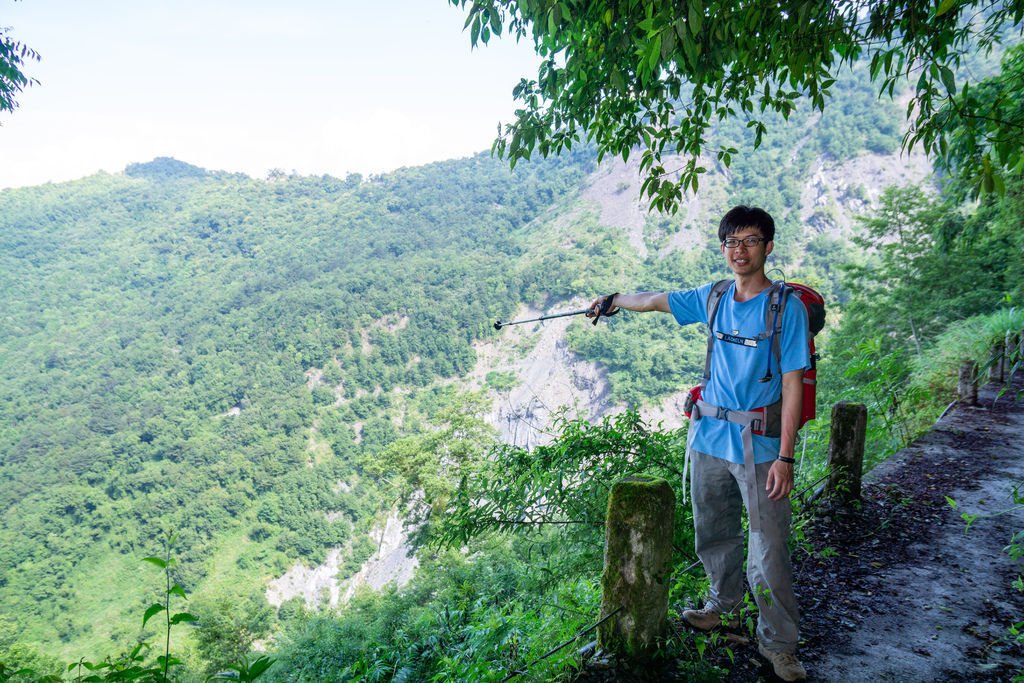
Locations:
column 156, row 333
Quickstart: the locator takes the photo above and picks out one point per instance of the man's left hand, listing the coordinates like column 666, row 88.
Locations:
column 780, row 480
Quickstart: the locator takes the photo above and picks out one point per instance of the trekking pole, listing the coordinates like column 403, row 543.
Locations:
column 603, row 310
column 498, row 324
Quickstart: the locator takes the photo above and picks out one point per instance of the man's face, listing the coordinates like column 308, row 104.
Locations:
column 744, row 259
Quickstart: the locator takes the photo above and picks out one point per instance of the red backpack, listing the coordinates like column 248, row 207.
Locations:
column 778, row 295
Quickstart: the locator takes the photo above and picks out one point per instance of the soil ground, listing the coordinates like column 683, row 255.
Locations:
column 899, row 589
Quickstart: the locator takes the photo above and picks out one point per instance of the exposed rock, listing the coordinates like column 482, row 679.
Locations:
column 835, row 193
column 549, row 377
column 319, row 586
column 392, row 323
column 615, row 189
column 314, row 378
column 392, row 563
column 312, row 584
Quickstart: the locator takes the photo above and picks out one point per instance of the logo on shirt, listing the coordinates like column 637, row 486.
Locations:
column 736, row 339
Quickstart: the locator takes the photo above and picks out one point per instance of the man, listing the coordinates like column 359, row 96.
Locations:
column 734, row 462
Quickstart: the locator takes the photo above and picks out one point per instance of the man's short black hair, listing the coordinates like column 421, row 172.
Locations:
column 740, row 217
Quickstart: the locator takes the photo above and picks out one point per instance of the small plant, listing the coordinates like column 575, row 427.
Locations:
column 131, row 665
column 166, row 564
column 828, row 552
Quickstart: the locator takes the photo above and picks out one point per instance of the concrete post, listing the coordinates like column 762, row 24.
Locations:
column 967, row 387
column 846, row 451
column 997, row 371
column 637, row 566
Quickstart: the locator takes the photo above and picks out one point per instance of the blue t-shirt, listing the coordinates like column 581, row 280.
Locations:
column 736, row 367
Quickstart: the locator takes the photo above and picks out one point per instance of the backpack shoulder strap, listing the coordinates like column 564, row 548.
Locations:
column 778, row 295
column 718, row 290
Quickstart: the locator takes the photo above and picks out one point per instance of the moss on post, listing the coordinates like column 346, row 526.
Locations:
column 637, row 566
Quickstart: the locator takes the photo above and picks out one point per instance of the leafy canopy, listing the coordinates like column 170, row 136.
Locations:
column 13, row 56
column 658, row 74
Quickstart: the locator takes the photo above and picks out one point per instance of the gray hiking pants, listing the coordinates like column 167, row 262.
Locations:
column 718, row 491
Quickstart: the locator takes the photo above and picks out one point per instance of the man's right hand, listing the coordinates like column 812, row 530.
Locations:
column 602, row 306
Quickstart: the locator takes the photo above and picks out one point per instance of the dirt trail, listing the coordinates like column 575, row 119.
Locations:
column 897, row 591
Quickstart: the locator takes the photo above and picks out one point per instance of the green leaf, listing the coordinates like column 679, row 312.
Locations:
column 668, row 44
column 949, row 501
column 618, row 82
column 154, row 609
column 948, row 80
column 182, row 617
column 944, row 7
column 695, row 14
column 998, row 184
column 179, row 591
column 258, row 667
column 691, row 51
column 155, row 560
column 652, row 59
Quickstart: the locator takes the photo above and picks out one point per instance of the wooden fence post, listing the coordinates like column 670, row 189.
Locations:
column 846, row 451
column 967, row 386
column 637, row 566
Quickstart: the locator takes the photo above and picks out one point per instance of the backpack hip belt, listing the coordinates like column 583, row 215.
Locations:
column 752, row 422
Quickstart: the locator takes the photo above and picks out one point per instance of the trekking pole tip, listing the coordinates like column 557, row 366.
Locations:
column 497, row 324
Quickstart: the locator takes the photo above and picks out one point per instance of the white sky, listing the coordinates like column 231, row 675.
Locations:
column 314, row 86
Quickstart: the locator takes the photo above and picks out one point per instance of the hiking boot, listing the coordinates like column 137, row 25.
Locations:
column 785, row 664
column 708, row 619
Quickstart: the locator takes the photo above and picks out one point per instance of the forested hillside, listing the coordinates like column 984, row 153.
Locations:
column 158, row 333
column 271, row 367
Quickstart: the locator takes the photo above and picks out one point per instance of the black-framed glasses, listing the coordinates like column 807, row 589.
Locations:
column 733, row 242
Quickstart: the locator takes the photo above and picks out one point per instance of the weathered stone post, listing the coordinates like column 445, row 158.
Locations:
column 997, row 371
column 637, row 566
column 846, row 451
column 967, row 386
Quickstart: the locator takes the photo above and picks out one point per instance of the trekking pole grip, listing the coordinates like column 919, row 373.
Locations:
column 606, row 304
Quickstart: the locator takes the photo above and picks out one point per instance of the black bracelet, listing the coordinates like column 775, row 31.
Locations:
column 787, row 460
